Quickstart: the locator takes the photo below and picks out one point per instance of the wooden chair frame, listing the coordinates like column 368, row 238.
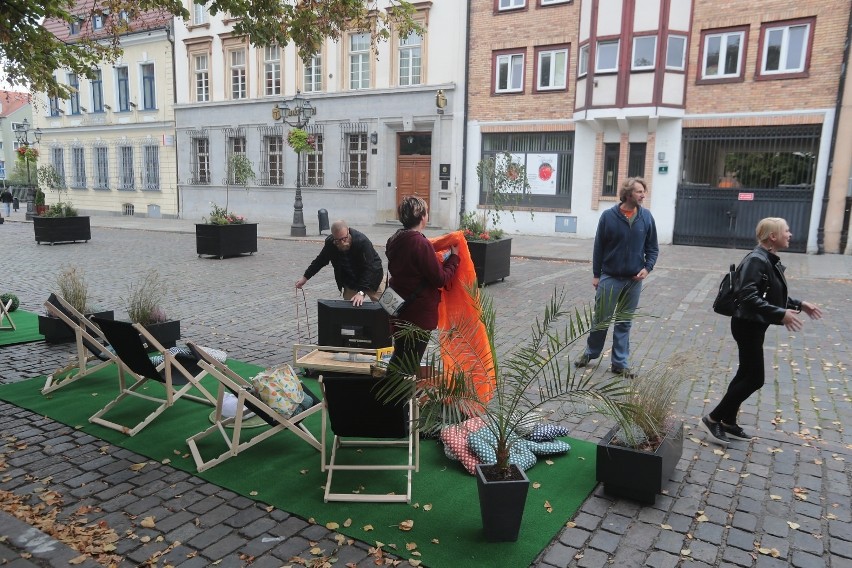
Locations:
column 241, row 388
column 87, row 335
column 163, row 373
column 411, row 441
column 5, row 315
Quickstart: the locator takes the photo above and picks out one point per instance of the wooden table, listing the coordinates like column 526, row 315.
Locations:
column 333, row 359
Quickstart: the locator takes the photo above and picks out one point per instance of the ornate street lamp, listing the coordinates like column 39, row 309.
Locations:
column 296, row 113
column 22, row 134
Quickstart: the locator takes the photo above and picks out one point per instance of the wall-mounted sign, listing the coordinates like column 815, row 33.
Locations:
column 663, row 169
column 745, row 197
column 444, row 172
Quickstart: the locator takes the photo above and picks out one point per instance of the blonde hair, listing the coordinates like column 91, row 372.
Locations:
column 767, row 226
column 627, row 187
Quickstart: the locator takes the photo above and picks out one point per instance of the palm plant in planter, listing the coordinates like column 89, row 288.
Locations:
column 144, row 306
column 638, row 455
column 532, row 375
column 504, row 181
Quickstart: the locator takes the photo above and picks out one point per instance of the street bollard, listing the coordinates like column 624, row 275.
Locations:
column 323, row 220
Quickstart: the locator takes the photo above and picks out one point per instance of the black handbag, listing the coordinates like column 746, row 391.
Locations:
column 726, row 299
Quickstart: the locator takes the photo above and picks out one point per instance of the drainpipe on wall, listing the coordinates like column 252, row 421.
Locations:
column 464, row 120
column 170, row 36
column 838, row 107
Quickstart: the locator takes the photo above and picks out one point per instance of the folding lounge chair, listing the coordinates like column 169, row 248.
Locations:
column 5, row 316
column 129, row 343
column 90, row 342
column 359, row 420
column 247, row 401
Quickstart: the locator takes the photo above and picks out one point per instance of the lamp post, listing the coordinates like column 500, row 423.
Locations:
column 22, row 135
column 296, row 113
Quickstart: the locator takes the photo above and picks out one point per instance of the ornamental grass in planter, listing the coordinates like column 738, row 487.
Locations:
column 533, row 374
column 636, row 458
column 144, row 306
column 71, row 285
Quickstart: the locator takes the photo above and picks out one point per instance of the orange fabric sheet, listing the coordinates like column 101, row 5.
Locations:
column 458, row 311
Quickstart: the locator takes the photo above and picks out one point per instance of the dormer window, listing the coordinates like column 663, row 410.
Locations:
column 97, row 22
column 75, row 25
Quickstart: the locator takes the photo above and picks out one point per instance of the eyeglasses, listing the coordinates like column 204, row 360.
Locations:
column 341, row 239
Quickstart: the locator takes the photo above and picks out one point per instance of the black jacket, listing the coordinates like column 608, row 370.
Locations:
column 6, row 197
column 762, row 289
column 365, row 266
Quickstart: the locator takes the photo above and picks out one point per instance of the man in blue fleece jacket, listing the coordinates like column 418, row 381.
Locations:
column 625, row 252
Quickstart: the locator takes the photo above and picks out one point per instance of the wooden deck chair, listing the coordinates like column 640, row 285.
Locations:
column 178, row 374
column 357, row 419
column 90, row 342
column 247, row 401
column 5, row 316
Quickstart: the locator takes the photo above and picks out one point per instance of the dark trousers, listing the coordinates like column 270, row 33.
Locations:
column 408, row 350
column 749, row 336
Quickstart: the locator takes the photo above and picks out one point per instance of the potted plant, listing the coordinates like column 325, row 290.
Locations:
column 636, row 458
column 504, row 181
column 144, row 306
column 72, row 286
column 530, row 376
column 60, row 222
column 225, row 234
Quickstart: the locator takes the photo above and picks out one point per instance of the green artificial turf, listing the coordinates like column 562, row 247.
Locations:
column 26, row 329
column 285, row 472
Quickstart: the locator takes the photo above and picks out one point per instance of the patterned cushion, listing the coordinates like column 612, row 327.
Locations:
column 183, row 351
column 545, row 432
column 523, row 452
column 455, row 442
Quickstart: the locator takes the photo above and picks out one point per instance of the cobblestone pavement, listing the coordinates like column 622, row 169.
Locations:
column 781, row 500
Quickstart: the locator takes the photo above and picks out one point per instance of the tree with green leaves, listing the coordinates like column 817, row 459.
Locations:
column 30, row 54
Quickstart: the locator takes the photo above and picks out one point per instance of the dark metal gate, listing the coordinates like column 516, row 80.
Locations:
column 733, row 177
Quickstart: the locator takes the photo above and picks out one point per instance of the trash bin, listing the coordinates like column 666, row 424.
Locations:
column 15, row 203
column 323, row 220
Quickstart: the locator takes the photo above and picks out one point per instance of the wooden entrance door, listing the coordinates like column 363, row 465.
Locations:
column 414, row 166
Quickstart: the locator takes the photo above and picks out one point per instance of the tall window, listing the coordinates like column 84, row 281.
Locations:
column 126, row 175
column 149, row 101
column 202, row 77
column 101, row 167
column 151, row 167
column 200, row 160
column 785, row 48
column 552, row 69
column 78, row 167
column 676, row 53
column 636, row 159
column 723, row 53
column 274, row 146
column 509, row 70
column 409, row 60
column 583, row 61
column 98, row 92
column 272, row 70
column 236, row 147
column 122, row 76
column 357, row 164
column 237, row 59
column 97, row 22
column 610, row 173
column 359, row 61
column 313, row 74
column 199, row 14
column 74, row 101
column 57, row 160
column 644, row 53
column 606, row 57
column 54, row 106
column 313, row 161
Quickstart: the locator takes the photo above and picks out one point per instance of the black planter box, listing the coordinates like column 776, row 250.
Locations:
column 166, row 333
column 54, row 329
column 636, row 474
column 491, row 259
column 501, row 504
column 225, row 240
column 62, row 229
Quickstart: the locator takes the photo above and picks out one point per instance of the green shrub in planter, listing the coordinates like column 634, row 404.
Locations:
column 9, row 296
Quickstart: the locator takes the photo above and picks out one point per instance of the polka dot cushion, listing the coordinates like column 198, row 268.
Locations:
column 183, row 351
column 545, row 432
column 455, row 442
column 523, row 452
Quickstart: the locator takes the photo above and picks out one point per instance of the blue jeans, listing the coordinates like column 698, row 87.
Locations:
column 7, row 209
column 613, row 292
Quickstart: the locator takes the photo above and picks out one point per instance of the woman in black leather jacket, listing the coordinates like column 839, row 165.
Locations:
column 761, row 300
